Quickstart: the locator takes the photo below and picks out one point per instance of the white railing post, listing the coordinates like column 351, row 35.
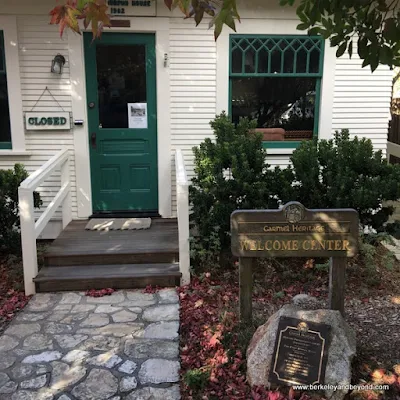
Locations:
column 183, row 226
column 28, row 238
column 30, row 230
column 66, row 205
column 182, row 188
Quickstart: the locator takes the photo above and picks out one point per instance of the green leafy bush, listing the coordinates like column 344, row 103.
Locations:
column 230, row 173
column 9, row 216
column 341, row 173
column 197, row 378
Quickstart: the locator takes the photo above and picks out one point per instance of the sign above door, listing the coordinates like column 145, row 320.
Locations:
column 132, row 8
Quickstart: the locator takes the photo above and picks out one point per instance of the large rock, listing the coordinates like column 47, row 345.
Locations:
column 305, row 301
column 340, row 353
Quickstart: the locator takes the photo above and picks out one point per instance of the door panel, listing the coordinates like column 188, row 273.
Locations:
column 120, row 77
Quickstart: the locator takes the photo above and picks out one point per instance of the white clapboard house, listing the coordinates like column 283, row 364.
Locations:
column 106, row 128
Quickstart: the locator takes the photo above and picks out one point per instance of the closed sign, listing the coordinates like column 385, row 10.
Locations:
column 41, row 121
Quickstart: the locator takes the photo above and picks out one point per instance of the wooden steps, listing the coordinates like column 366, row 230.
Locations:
column 118, row 276
column 63, row 260
column 81, row 260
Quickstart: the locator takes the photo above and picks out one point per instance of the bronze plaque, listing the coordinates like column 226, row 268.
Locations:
column 295, row 231
column 300, row 353
column 120, row 23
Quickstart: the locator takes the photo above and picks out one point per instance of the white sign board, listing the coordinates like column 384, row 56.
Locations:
column 137, row 115
column 47, row 121
column 132, row 8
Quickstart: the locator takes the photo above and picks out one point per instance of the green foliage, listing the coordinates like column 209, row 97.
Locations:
column 393, row 229
column 9, row 215
column 375, row 22
column 388, row 260
column 372, row 258
column 341, row 173
column 375, row 239
column 230, row 174
column 206, row 250
column 322, row 267
column 279, row 295
column 197, row 378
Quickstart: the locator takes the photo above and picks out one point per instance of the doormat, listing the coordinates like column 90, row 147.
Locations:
column 118, row 224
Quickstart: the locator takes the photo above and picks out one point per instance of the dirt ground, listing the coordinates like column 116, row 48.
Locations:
column 372, row 309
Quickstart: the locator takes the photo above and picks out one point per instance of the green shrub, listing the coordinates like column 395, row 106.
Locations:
column 341, row 173
column 230, row 173
column 197, row 378
column 10, row 180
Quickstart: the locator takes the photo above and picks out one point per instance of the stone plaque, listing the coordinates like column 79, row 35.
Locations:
column 294, row 231
column 300, row 353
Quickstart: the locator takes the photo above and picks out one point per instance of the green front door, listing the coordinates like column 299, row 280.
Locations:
column 121, row 99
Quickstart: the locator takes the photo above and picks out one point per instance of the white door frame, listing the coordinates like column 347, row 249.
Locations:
column 159, row 26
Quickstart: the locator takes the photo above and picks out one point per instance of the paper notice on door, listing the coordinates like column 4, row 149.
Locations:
column 137, row 115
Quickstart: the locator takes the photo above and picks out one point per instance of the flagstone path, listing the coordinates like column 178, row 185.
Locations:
column 66, row 346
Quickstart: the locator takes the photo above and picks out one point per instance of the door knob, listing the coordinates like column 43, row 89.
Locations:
column 93, row 140
column 92, row 104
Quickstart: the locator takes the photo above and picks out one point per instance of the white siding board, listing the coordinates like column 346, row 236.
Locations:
column 38, row 44
column 362, row 100
column 193, row 72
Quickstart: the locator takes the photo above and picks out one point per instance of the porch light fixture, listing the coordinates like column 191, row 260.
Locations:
column 57, row 64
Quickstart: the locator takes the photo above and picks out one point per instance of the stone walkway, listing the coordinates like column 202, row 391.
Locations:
column 67, row 346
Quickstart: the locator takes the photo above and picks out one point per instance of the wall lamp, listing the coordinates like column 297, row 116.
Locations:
column 57, row 64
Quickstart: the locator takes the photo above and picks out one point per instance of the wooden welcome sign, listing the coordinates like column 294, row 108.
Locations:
column 294, row 231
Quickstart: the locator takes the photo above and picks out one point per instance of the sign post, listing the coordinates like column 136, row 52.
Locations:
column 245, row 288
column 294, row 231
column 337, row 278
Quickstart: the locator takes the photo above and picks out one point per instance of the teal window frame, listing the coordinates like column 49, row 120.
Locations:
column 317, row 75
column 4, row 145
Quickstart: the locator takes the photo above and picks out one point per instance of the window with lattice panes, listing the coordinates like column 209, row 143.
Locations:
column 276, row 80
column 5, row 129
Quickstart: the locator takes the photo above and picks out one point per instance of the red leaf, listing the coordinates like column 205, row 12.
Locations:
column 168, row 3
column 274, row 395
column 99, row 293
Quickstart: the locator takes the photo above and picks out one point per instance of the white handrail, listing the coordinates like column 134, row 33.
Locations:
column 182, row 199
column 30, row 230
column 40, row 175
